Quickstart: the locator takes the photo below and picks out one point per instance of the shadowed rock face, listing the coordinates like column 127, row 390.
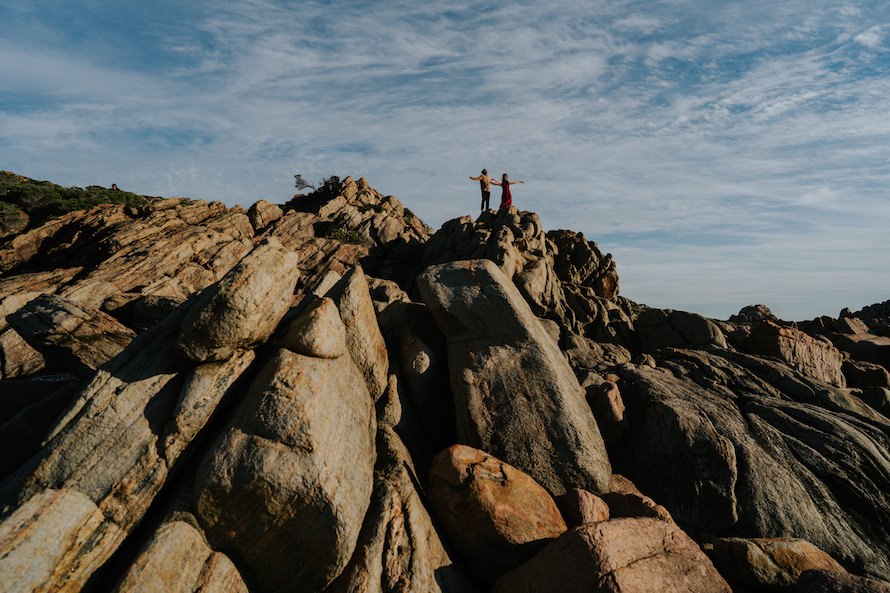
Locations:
column 260, row 410
column 516, row 396
column 736, row 444
column 826, row 581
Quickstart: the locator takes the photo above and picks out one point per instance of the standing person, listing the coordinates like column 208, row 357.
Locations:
column 505, row 183
column 485, row 185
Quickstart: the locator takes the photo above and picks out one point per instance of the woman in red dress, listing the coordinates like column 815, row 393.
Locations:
column 505, row 183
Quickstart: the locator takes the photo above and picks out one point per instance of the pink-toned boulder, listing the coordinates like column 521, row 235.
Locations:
column 770, row 564
column 813, row 357
column 636, row 555
column 496, row 516
column 579, row 507
column 625, row 500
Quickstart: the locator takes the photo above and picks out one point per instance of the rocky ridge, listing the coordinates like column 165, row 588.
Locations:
column 328, row 396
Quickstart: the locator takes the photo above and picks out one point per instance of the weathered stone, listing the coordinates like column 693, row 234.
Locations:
column 48, row 543
column 814, row 358
column 618, row 556
column 850, row 325
column 263, row 213
column 625, row 500
column 876, row 314
column 770, row 564
column 658, row 328
column 72, row 337
column 516, row 243
column 160, row 204
column 608, row 409
column 244, row 308
column 17, row 357
column 495, row 515
column 551, row 328
column 862, row 374
column 598, row 318
column 363, row 338
column 579, row 507
column 17, row 291
column 161, row 254
column 728, row 440
column 201, row 391
column 177, row 559
column 86, row 457
column 398, row 549
column 868, row 348
column 585, row 354
column 753, row 314
column 515, row 395
column 24, row 247
column 826, row 581
column 273, row 488
column 317, row 331
column 385, row 292
column 578, row 261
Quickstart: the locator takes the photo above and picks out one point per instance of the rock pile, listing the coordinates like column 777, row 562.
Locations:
column 326, row 396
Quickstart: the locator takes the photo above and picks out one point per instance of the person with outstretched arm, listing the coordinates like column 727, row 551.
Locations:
column 505, row 183
column 485, row 185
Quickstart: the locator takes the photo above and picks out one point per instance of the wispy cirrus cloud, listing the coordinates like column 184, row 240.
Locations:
column 720, row 152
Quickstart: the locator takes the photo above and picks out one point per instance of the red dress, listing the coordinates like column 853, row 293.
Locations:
column 506, row 196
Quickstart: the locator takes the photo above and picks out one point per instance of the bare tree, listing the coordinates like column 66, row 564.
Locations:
column 301, row 183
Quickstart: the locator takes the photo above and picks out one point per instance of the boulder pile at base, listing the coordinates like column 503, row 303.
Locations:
column 327, row 396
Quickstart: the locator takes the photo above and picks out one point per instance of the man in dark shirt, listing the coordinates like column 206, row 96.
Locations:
column 485, row 185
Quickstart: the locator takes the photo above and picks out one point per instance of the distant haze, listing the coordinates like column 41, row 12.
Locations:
column 726, row 153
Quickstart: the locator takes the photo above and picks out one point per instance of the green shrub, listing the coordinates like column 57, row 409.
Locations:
column 346, row 236
column 7, row 208
column 43, row 200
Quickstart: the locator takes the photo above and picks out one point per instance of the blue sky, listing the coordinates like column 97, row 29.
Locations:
column 726, row 153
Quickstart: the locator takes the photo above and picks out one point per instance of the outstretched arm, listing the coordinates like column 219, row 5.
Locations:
column 476, row 178
column 495, row 182
column 515, row 182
